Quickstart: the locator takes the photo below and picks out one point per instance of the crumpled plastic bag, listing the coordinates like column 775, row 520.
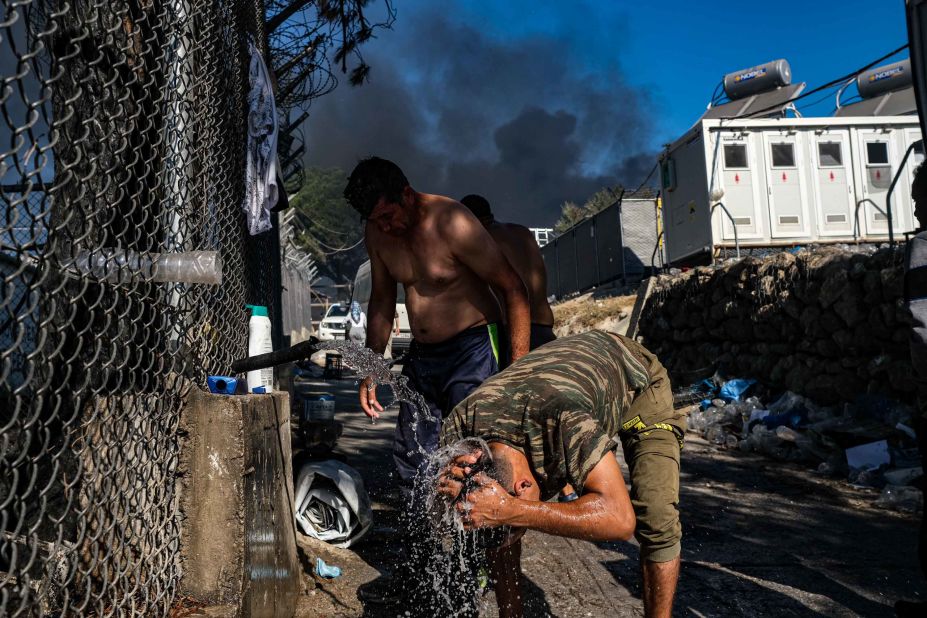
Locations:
column 733, row 390
column 332, row 504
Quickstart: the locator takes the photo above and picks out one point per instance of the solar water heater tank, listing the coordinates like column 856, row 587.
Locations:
column 761, row 78
column 887, row 78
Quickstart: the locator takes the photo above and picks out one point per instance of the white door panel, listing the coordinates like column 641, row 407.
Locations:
column 833, row 187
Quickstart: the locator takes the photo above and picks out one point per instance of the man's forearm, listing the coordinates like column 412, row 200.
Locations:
column 377, row 338
column 378, row 330
column 591, row 518
column 519, row 317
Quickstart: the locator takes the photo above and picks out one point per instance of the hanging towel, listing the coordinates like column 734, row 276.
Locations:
column 261, row 190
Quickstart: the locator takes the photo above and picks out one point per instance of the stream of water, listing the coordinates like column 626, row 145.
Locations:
column 451, row 559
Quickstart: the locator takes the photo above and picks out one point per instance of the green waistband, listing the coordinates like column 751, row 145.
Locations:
column 493, row 330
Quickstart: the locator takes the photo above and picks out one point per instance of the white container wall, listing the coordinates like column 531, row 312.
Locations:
column 786, row 182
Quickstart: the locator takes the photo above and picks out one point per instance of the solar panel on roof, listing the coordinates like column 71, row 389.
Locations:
column 777, row 100
column 897, row 103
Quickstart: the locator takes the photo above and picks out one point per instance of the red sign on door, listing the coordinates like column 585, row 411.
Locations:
column 784, row 177
column 736, row 177
column 831, row 176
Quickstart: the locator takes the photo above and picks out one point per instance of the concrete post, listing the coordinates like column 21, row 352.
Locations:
column 238, row 537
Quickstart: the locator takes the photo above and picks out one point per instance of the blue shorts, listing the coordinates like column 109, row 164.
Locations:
column 444, row 373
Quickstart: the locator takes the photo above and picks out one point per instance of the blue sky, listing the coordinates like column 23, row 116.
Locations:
column 537, row 103
column 680, row 50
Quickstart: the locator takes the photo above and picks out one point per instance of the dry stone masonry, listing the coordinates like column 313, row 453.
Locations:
column 828, row 323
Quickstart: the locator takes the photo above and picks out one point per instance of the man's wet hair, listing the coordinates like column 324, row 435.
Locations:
column 478, row 205
column 919, row 186
column 498, row 469
column 372, row 179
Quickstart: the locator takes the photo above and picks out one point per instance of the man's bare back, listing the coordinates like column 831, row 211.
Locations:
column 521, row 250
column 443, row 296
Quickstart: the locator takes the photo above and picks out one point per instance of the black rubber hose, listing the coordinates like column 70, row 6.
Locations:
column 298, row 352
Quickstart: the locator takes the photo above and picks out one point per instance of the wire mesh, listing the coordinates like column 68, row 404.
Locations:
column 122, row 134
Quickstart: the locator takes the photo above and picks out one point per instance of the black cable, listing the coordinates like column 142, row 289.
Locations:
column 649, row 176
column 830, row 84
column 815, row 102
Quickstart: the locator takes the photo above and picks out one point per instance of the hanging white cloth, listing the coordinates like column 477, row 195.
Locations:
column 261, row 191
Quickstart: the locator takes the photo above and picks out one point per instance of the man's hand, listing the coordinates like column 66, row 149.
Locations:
column 368, row 398
column 487, row 506
column 451, row 479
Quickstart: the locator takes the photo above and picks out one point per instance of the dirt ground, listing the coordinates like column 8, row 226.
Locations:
column 762, row 538
column 590, row 311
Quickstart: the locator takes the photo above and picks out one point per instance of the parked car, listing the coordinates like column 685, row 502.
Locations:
column 335, row 322
column 402, row 333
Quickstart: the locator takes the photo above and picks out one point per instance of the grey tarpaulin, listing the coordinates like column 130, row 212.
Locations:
column 331, row 503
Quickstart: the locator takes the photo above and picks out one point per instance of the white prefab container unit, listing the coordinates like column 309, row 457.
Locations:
column 738, row 179
column 786, row 181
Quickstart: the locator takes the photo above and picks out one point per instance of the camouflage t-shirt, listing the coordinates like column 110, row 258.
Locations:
column 560, row 405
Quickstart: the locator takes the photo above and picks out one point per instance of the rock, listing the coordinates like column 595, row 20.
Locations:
column 828, row 348
column 833, row 288
column 766, row 286
column 844, row 340
column 892, row 283
column 790, row 304
column 809, row 319
column 738, row 330
column 829, row 322
column 849, row 311
column 903, row 476
column 872, row 287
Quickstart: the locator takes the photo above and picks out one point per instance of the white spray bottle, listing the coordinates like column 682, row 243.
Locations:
column 259, row 342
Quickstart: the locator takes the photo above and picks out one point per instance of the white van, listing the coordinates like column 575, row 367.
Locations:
column 402, row 333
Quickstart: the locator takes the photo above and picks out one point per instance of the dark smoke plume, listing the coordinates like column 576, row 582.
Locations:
column 463, row 113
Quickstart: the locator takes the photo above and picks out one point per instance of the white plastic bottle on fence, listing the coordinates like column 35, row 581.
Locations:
column 122, row 266
column 259, row 342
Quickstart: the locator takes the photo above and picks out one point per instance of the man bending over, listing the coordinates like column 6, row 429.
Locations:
column 550, row 419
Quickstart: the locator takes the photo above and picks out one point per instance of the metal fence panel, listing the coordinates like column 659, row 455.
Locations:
column 609, row 244
column 122, row 133
column 549, row 254
column 639, row 227
column 586, row 261
column 614, row 244
column 566, row 263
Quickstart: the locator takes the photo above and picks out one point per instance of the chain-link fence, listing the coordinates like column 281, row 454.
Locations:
column 122, row 139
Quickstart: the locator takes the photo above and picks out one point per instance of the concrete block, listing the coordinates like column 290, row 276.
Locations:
column 238, row 533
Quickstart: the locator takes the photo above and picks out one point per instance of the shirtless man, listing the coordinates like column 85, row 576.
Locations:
column 521, row 250
column 447, row 262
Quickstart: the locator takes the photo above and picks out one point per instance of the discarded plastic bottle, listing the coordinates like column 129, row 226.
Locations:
column 120, row 266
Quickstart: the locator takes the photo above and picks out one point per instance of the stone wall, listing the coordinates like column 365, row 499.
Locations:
column 828, row 324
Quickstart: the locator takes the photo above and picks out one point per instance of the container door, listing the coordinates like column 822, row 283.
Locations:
column 834, row 193
column 876, row 167
column 788, row 216
column 738, row 178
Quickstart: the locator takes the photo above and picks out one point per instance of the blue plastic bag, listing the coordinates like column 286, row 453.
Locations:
column 328, row 571
column 733, row 390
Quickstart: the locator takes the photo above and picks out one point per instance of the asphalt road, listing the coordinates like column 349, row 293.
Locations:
column 762, row 538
